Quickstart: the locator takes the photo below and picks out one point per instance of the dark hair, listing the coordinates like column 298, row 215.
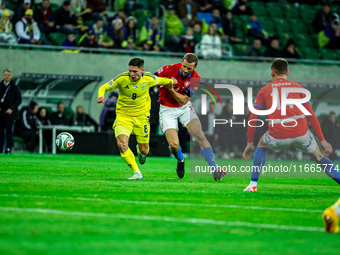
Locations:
column 332, row 113
column 32, row 105
column 7, row 70
column 191, row 57
column 280, row 66
column 60, row 103
column 139, row 62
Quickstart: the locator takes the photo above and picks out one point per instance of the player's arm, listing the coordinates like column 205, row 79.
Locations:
column 180, row 98
column 313, row 120
column 112, row 84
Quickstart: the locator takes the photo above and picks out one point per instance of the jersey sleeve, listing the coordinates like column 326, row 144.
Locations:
column 163, row 71
column 112, row 84
column 258, row 105
column 313, row 120
column 194, row 84
column 156, row 80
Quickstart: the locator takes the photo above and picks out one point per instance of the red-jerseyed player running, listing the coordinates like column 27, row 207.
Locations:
column 281, row 136
column 176, row 105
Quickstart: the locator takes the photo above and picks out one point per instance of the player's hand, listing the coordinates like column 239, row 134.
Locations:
column 175, row 82
column 9, row 111
column 327, row 146
column 248, row 150
column 101, row 100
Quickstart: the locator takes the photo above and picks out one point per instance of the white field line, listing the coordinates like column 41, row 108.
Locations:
column 166, row 219
column 169, row 203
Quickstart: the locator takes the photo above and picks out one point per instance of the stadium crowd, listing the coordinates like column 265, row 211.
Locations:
column 212, row 28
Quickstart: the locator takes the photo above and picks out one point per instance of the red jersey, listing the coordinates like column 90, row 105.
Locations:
column 264, row 100
column 186, row 85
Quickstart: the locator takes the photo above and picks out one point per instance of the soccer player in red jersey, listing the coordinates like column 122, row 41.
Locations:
column 294, row 131
column 176, row 105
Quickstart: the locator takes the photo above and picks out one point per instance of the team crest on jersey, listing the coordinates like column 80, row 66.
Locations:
column 160, row 70
column 143, row 86
column 135, row 86
column 186, row 84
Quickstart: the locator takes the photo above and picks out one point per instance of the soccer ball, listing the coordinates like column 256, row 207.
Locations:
column 64, row 141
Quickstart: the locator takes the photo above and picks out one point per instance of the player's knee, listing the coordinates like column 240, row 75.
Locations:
column 144, row 150
column 174, row 145
column 122, row 146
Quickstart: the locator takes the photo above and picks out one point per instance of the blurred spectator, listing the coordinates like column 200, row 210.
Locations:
column 131, row 5
column 273, row 49
column 58, row 117
column 10, row 100
column 187, row 12
column 101, row 14
column 254, row 50
column 329, row 37
column 216, row 18
column 85, row 8
column 197, row 32
column 108, row 114
column 3, row 8
column 43, row 120
column 290, row 50
column 188, row 42
column 173, row 27
column 62, row 19
column 120, row 15
column 130, row 35
column 27, row 29
column 154, row 36
column 77, row 21
column 70, row 41
column 204, row 5
column 74, row 4
column 6, row 34
column 242, row 9
column 116, row 32
column 100, row 34
column 226, row 137
column 256, row 30
column 80, row 118
column 211, row 44
column 43, row 15
column 28, row 126
column 20, row 11
column 229, row 29
column 331, row 130
column 169, row 4
column 207, row 122
column 322, row 18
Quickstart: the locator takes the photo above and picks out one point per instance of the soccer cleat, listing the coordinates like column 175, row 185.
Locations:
column 330, row 220
column 180, row 169
column 141, row 157
column 136, row 176
column 218, row 175
column 251, row 188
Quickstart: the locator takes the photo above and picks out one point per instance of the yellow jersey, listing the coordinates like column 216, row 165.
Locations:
column 134, row 98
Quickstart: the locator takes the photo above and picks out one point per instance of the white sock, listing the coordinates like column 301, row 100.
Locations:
column 337, row 208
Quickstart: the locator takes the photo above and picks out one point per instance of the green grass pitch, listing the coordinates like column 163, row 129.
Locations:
column 84, row 204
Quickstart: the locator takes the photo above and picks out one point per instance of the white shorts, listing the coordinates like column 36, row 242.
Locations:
column 305, row 143
column 169, row 116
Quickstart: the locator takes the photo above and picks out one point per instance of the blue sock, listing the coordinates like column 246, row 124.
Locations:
column 330, row 169
column 179, row 155
column 209, row 157
column 258, row 162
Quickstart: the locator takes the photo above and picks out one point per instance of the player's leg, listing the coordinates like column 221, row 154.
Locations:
column 173, row 141
column 331, row 218
column 195, row 128
column 168, row 119
column 328, row 166
column 122, row 134
column 258, row 161
column 142, row 132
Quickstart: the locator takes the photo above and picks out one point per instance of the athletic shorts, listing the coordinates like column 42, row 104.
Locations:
column 139, row 126
column 305, row 143
column 169, row 116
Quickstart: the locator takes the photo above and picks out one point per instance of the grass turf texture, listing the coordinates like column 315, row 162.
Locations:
column 85, row 205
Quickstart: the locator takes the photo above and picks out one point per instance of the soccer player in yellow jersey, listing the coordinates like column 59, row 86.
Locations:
column 331, row 218
column 133, row 110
